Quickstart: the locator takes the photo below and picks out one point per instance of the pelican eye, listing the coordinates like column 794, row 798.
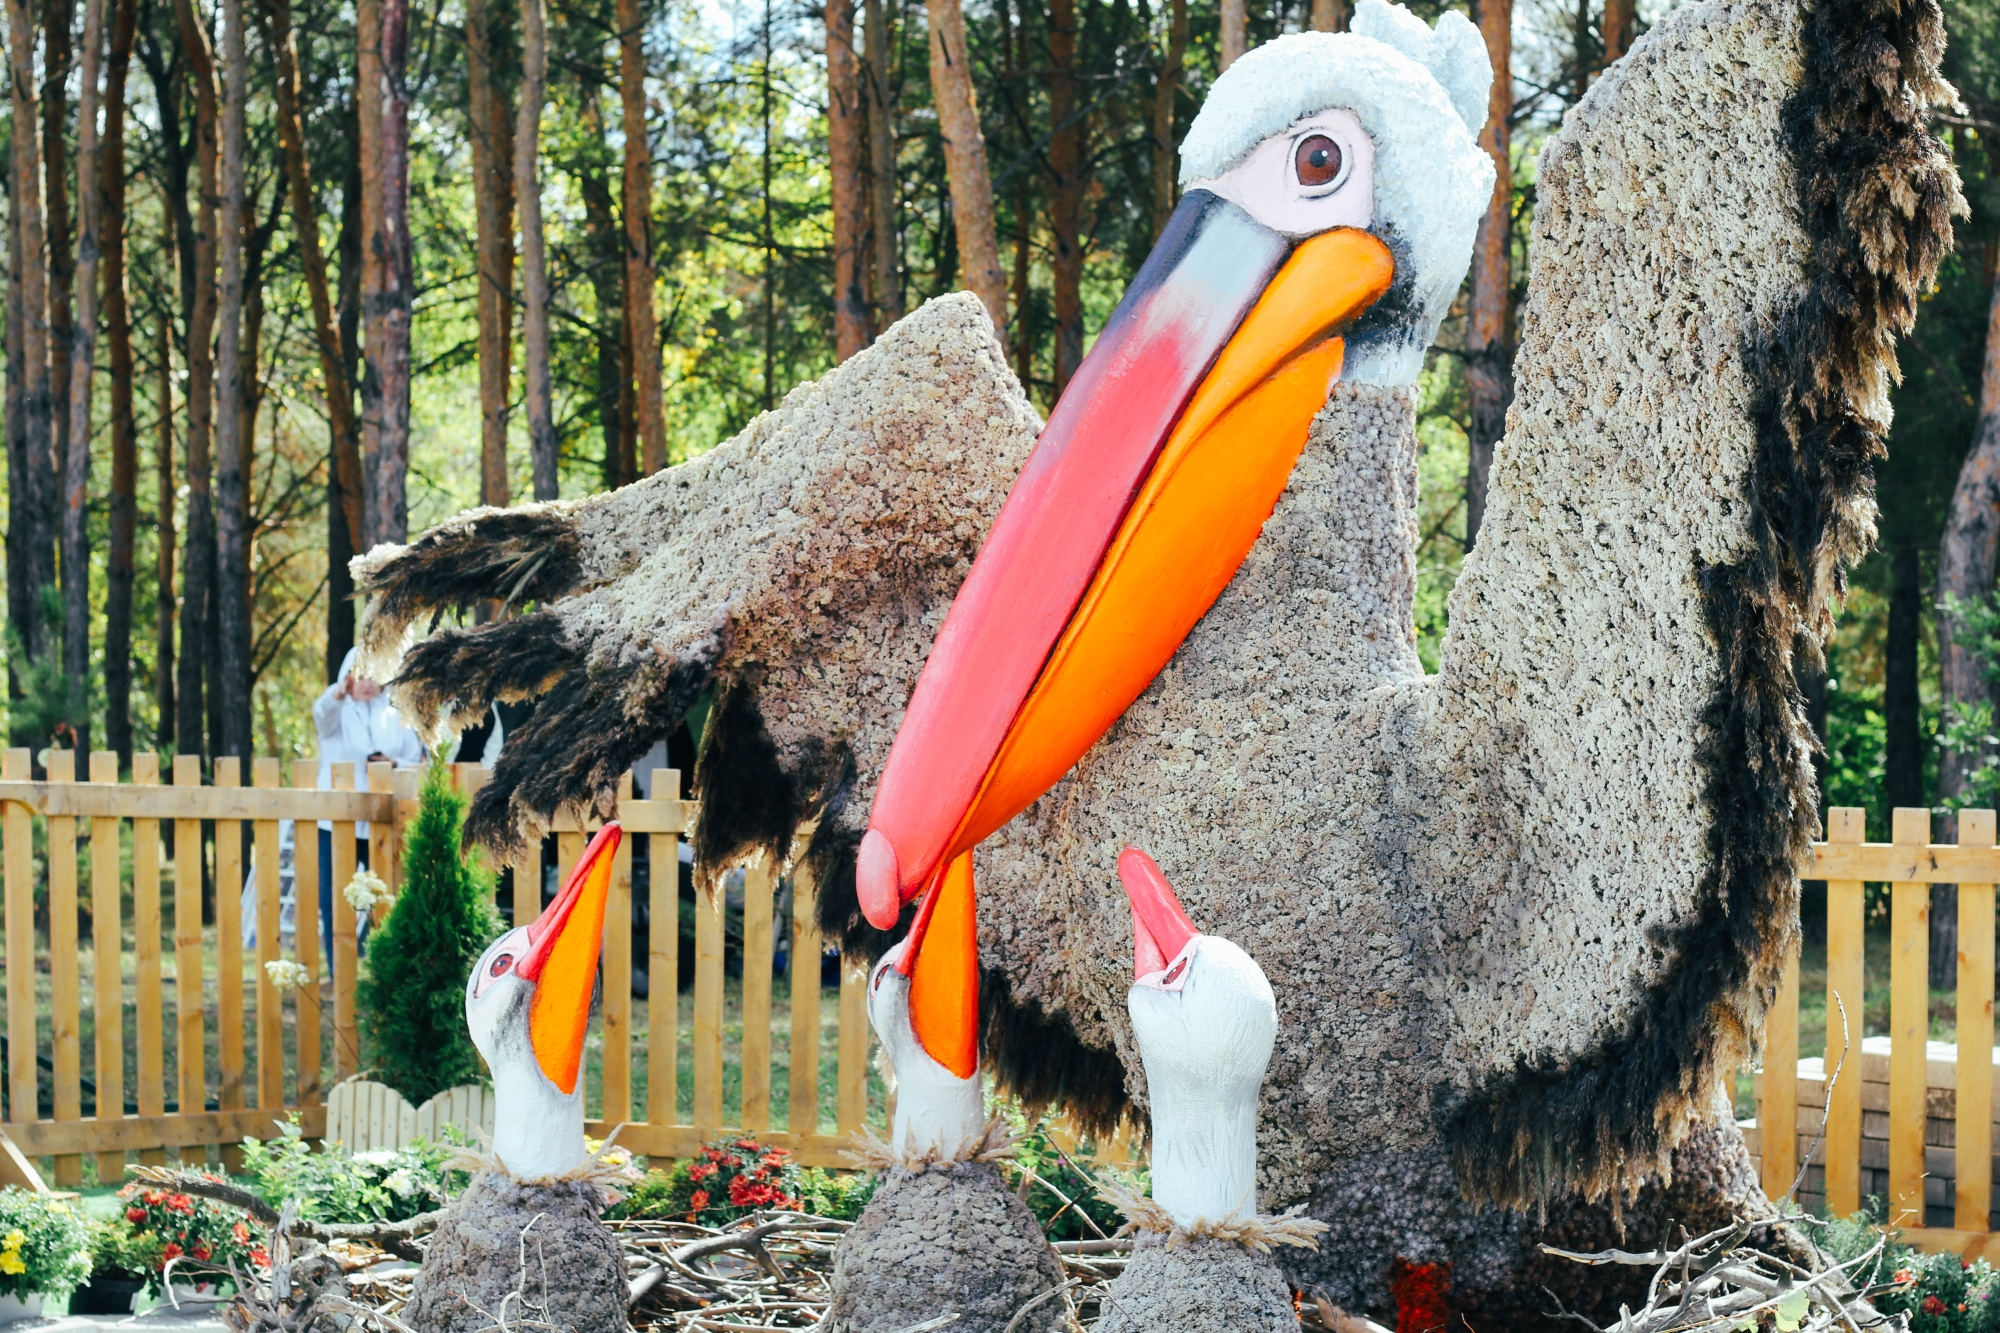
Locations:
column 1317, row 161
column 501, row 964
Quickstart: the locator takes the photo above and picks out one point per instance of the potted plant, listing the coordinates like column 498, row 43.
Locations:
column 44, row 1251
column 198, row 1239
column 123, row 1259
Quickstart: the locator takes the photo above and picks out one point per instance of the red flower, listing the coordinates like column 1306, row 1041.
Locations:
column 241, row 1232
column 1932, row 1305
column 135, row 1215
column 202, row 1250
column 700, row 1200
column 181, row 1203
column 151, row 1198
column 702, row 1170
column 260, row 1257
column 172, row 1251
column 1904, row 1275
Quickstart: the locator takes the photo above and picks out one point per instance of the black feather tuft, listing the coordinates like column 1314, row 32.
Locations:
column 513, row 556
column 1038, row 1057
column 464, row 671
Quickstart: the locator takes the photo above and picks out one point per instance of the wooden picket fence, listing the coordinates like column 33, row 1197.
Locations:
column 123, row 823
column 1912, row 1116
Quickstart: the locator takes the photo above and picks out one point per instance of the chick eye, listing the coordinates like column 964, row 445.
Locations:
column 1174, row 973
column 1316, row 160
column 500, row 965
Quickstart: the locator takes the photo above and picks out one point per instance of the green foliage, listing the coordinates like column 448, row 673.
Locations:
column 193, row 1234
column 731, row 1178
column 836, row 1194
column 120, row 1250
column 1941, row 1293
column 44, row 1245
column 52, row 704
column 335, row 1185
column 412, row 992
column 1062, row 1191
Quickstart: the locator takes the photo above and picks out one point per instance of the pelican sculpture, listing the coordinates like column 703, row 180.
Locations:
column 1522, row 916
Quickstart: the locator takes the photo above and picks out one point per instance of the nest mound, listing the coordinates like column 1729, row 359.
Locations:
column 950, row 1239
column 508, row 1251
column 1197, row 1285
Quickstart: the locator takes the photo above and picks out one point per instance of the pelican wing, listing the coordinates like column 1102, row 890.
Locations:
column 797, row 573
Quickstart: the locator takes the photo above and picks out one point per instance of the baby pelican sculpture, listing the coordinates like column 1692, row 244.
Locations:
column 526, row 1240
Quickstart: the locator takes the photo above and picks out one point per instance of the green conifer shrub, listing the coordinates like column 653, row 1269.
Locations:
column 412, row 988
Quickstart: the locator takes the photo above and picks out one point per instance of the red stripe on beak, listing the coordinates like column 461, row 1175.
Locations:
column 1160, row 927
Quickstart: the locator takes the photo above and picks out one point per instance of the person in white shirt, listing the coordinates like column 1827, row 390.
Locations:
column 357, row 726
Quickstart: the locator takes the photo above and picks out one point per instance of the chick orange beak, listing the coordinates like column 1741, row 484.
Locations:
column 942, row 964
column 1145, row 492
column 563, row 947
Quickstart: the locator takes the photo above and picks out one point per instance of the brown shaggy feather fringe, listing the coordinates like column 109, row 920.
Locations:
column 516, row 555
column 1877, row 198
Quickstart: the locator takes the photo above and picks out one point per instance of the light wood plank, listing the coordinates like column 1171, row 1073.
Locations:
column 759, row 885
column 1778, row 1103
column 663, row 1142
column 1972, row 1202
column 1879, row 862
column 149, row 1088
column 190, row 1053
column 266, row 774
column 22, row 1039
column 229, row 979
column 569, row 850
column 107, row 949
column 176, row 802
column 851, row 1109
column 135, row 1132
column 708, row 907
column 308, row 1022
column 344, row 949
column 1909, row 1025
column 617, row 973
column 663, row 969
column 1844, row 957
column 802, row 1115
column 65, row 1008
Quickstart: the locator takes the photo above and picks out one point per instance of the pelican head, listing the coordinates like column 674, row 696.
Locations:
column 528, row 1004
column 1205, row 1019
column 1334, row 188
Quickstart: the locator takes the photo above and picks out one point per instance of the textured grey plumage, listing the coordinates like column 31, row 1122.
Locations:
column 509, row 1251
column 1197, row 1285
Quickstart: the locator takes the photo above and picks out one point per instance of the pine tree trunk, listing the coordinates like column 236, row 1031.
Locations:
column 1166, row 93
column 1903, row 758
column 534, row 264
column 607, row 279
column 643, row 329
column 37, row 393
column 20, row 481
column 1234, row 37
column 1329, row 15
column 883, row 191
column 124, row 506
column 965, row 158
column 844, row 148
column 232, row 509
column 368, row 141
column 1489, row 360
column 386, row 291
column 492, row 136
column 1966, row 559
column 83, row 357
column 1620, row 20
column 164, row 536
column 1066, row 168
column 57, row 43
column 345, row 446
column 345, row 496
column 198, row 551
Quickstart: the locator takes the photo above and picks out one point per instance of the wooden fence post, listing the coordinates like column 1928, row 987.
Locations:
column 150, row 1091
column 760, row 882
column 190, row 1056
column 107, row 955
column 663, row 962
column 1909, row 1026
column 1972, row 1199
column 266, row 774
column 1845, row 950
column 66, row 1034
column 229, row 954
column 23, row 1082
column 802, row 1116
column 617, row 973
column 708, row 909
column 852, row 1113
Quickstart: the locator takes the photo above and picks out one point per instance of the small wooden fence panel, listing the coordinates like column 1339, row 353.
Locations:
column 145, row 844
column 1897, row 1097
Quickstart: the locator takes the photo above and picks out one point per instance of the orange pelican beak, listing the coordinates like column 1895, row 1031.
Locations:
column 942, row 964
column 1148, row 487
column 563, row 946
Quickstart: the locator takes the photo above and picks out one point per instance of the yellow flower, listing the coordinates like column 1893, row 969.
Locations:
column 10, row 1262
column 15, row 1240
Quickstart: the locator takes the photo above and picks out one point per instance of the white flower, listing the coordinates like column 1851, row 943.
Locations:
column 375, row 1157
column 400, row 1181
column 286, row 974
column 365, row 890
